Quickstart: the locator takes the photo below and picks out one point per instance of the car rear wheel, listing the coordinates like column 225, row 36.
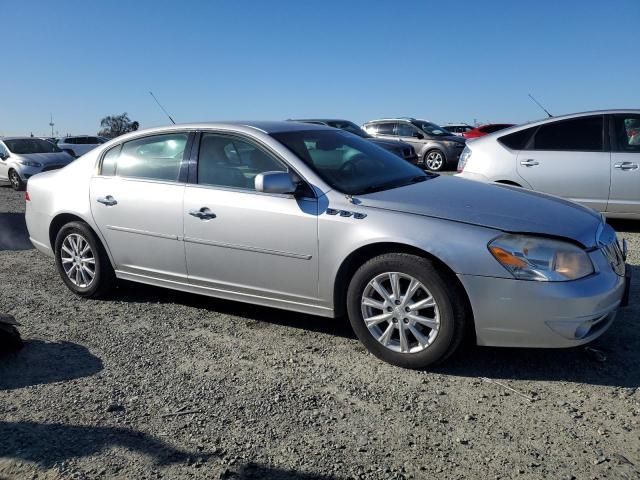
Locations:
column 404, row 312
column 82, row 261
column 16, row 181
column 435, row 160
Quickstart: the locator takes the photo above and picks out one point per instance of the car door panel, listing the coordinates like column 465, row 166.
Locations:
column 625, row 165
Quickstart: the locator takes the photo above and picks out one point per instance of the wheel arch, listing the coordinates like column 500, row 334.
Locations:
column 61, row 219
column 508, row 182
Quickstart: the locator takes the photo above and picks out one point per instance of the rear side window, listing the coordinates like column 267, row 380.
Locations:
column 627, row 131
column 405, row 130
column 157, row 158
column 517, row 140
column 578, row 134
column 385, row 128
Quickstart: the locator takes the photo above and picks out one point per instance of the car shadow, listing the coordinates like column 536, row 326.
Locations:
column 251, row 471
column 48, row 444
column 261, row 316
column 41, row 362
column 13, row 232
column 619, row 225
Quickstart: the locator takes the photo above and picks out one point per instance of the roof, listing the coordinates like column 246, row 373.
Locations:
column 324, row 120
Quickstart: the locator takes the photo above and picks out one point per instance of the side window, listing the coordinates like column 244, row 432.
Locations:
column 517, row 140
column 627, row 128
column 70, row 141
column 109, row 161
column 579, row 134
column 385, row 128
column 405, row 130
column 157, row 158
column 231, row 162
column 92, row 140
column 3, row 150
column 371, row 129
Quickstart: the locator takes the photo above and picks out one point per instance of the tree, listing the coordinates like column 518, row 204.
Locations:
column 115, row 125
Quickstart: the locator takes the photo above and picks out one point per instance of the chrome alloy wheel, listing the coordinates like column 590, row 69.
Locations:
column 78, row 260
column 14, row 178
column 400, row 312
column 435, row 160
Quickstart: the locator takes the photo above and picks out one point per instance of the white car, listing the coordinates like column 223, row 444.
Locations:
column 592, row 158
column 80, row 144
column 458, row 128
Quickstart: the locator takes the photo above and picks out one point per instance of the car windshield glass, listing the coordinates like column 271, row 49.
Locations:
column 349, row 127
column 349, row 163
column 432, row 129
column 30, row 145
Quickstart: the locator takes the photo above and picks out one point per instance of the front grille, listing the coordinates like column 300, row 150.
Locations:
column 52, row 167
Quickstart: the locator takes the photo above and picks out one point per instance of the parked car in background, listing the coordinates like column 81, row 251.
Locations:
column 316, row 220
column 483, row 130
column 80, row 144
column 592, row 158
column 458, row 128
column 437, row 148
column 402, row 149
column 23, row 157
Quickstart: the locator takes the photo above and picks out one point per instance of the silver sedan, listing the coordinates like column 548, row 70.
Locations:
column 320, row 221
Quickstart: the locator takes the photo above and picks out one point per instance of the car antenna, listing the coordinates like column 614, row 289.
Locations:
column 538, row 103
column 167, row 113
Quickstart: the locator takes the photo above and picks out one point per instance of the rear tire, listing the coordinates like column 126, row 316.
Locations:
column 16, row 182
column 431, row 332
column 82, row 261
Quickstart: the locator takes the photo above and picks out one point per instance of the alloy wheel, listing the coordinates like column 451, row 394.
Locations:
column 78, row 260
column 14, row 178
column 400, row 312
column 435, row 160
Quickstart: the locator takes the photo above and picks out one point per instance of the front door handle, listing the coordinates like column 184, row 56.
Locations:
column 203, row 214
column 109, row 201
column 529, row 163
column 626, row 166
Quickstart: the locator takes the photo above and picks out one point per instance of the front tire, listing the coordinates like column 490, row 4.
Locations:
column 404, row 311
column 82, row 261
column 16, row 182
column 435, row 160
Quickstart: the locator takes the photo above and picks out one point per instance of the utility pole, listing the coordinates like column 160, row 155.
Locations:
column 51, row 124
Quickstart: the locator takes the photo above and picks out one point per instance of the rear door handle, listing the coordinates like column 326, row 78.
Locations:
column 529, row 163
column 109, row 201
column 203, row 214
column 626, row 166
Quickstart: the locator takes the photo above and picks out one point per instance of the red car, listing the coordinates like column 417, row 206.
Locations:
column 483, row 130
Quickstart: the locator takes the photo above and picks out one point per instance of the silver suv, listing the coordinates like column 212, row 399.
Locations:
column 437, row 148
column 79, row 145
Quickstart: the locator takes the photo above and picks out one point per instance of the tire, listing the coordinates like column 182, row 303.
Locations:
column 435, row 160
column 449, row 309
column 79, row 281
column 16, row 182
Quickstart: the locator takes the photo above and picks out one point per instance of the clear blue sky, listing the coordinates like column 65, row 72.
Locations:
column 445, row 61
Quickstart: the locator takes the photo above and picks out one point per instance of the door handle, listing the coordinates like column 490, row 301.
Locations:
column 203, row 214
column 626, row 166
column 109, row 201
column 529, row 163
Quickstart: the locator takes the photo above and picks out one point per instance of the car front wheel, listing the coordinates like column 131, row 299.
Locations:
column 82, row 261
column 435, row 160
column 16, row 182
column 404, row 311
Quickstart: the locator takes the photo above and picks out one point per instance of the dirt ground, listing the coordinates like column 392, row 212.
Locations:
column 158, row 384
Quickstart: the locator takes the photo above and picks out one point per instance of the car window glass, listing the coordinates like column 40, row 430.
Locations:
column 579, row 134
column 92, row 140
column 385, row 128
column 3, row 150
column 517, row 140
column 627, row 128
column 405, row 130
column 109, row 161
column 157, row 158
column 231, row 162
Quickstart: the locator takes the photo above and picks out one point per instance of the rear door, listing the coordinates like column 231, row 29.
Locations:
column 136, row 201
column 625, row 164
column 569, row 158
column 407, row 133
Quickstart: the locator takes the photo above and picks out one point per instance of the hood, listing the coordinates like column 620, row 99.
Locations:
column 502, row 207
column 390, row 144
column 56, row 158
column 452, row 138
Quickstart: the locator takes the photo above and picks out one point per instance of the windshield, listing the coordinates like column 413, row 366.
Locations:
column 348, row 163
column 432, row 129
column 30, row 145
column 349, row 127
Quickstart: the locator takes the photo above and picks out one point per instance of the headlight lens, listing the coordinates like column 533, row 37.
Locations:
column 464, row 156
column 543, row 259
column 28, row 163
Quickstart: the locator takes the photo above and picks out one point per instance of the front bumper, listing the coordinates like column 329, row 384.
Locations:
column 518, row 313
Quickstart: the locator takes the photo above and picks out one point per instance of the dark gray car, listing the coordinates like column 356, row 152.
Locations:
column 437, row 148
column 402, row 149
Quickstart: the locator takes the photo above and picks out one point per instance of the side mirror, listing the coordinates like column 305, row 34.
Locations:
column 418, row 135
column 275, row 182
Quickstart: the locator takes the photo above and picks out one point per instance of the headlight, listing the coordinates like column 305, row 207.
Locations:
column 28, row 163
column 543, row 259
column 464, row 156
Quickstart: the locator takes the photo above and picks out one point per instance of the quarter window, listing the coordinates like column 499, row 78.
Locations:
column 627, row 128
column 157, row 158
column 579, row 134
column 231, row 162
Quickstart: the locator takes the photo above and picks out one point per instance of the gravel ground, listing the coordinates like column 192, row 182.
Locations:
column 157, row 384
